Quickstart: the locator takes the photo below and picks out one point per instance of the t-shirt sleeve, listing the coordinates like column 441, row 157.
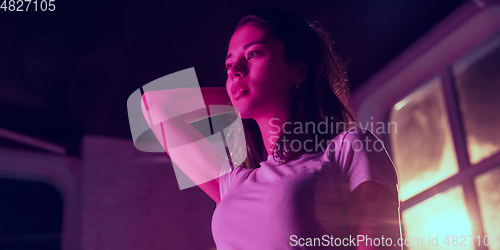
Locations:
column 225, row 178
column 229, row 175
column 361, row 157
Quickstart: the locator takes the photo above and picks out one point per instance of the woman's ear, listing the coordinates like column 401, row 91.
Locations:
column 301, row 71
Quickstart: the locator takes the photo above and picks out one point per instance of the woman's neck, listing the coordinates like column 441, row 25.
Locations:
column 270, row 128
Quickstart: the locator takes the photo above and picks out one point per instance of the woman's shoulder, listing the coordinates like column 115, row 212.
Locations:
column 353, row 135
column 353, row 132
column 355, row 140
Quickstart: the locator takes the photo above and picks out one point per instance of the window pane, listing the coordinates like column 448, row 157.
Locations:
column 437, row 217
column 488, row 187
column 478, row 86
column 30, row 215
column 422, row 146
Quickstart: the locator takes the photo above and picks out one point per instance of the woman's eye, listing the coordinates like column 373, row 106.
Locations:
column 252, row 54
column 228, row 66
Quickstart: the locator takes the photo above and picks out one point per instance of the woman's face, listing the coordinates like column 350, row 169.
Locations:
column 259, row 80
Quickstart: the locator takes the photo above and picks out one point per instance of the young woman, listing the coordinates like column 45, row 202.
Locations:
column 301, row 185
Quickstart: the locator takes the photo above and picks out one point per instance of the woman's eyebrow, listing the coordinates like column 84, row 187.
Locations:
column 248, row 45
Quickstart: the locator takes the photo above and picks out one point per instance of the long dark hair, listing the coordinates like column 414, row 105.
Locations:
column 322, row 97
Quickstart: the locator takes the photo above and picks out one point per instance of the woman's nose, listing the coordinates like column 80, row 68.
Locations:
column 238, row 69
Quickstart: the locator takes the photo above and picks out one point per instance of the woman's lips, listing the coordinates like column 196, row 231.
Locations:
column 238, row 90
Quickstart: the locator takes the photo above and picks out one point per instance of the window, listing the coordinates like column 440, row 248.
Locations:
column 444, row 95
column 488, row 186
column 423, row 146
column 39, row 200
column 442, row 194
column 477, row 80
column 30, row 215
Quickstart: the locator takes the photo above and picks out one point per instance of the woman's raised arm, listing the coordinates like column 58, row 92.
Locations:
column 169, row 114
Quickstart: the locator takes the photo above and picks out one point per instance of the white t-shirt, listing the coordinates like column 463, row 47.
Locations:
column 275, row 206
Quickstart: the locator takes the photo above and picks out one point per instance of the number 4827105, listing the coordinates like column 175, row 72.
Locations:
column 28, row 5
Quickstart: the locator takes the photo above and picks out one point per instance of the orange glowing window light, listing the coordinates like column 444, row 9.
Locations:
column 423, row 147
